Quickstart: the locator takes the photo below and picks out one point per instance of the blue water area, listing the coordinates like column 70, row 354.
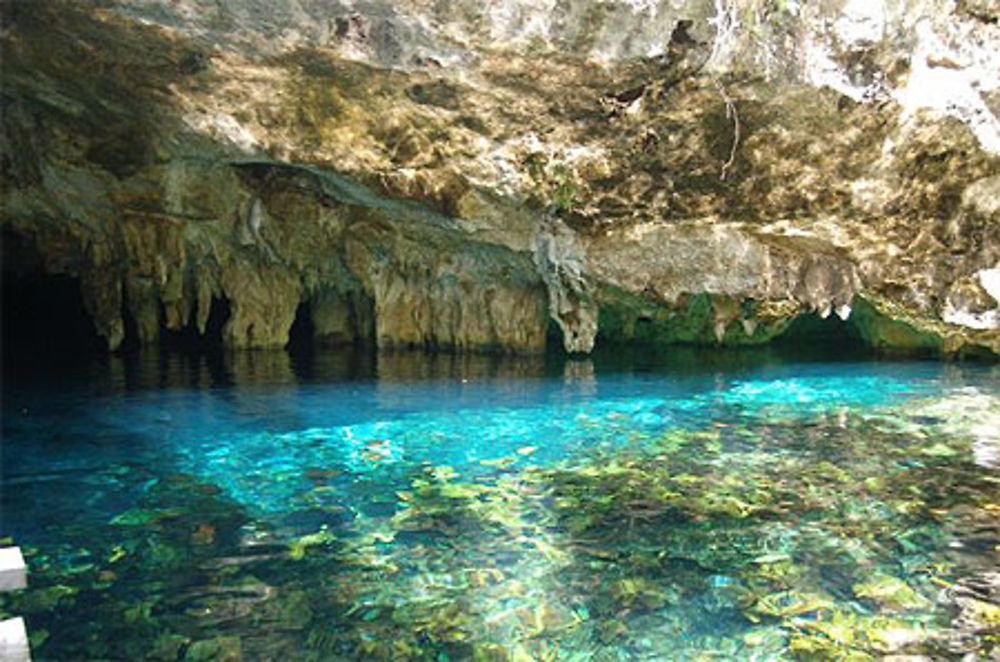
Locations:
column 402, row 506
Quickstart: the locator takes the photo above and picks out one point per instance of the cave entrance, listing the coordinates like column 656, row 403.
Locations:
column 814, row 335
column 188, row 339
column 43, row 315
column 44, row 318
column 301, row 337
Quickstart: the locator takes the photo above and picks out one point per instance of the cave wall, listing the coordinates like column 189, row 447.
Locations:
column 687, row 171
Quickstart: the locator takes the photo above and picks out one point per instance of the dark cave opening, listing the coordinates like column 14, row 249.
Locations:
column 830, row 336
column 188, row 339
column 807, row 337
column 44, row 320
column 44, row 317
column 301, row 337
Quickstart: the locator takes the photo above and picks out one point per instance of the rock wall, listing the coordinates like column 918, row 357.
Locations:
column 461, row 175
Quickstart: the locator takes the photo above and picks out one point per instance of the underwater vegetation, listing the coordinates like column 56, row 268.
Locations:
column 765, row 533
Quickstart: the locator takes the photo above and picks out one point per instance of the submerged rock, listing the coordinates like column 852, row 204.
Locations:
column 219, row 649
column 890, row 592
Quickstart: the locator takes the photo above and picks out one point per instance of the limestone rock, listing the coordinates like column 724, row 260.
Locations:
column 562, row 263
column 459, row 176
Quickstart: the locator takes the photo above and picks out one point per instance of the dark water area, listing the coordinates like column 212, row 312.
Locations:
column 679, row 504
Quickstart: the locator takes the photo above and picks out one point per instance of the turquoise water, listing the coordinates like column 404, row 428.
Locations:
column 688, row 506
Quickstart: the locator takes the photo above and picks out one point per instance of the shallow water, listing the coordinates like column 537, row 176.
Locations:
column 694, row 505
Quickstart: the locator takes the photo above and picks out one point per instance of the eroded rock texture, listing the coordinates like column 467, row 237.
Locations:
column 465, row 174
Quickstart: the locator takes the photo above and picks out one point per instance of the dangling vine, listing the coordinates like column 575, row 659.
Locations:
column 733, row 115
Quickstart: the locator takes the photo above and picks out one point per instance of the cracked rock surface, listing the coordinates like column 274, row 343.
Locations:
column 467, row 174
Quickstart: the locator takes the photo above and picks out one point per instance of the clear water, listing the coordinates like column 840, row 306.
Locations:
column 696, row 505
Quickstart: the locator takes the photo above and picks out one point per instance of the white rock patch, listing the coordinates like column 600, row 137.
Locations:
column 989, row 279
column 953, row 92
column 861, row 21
column 223, row 126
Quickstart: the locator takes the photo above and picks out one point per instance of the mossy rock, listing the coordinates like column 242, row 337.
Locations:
column 630, row 318
column 881, row 332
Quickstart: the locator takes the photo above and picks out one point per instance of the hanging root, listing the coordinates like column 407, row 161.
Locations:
column 735, row 117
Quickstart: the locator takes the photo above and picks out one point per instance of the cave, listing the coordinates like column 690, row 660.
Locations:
column 44, row 316
column 481, row 330
column 301, row 336
column 813, row 334
column 188, row 339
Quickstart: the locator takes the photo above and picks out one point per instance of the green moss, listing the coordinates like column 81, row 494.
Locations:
column 880, row 332
column 629, row 318
column 625, row 317
column 556, row 183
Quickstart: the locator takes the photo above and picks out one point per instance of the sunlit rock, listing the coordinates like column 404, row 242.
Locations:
column 462, row 176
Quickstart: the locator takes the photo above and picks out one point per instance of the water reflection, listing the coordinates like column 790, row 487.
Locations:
column 354, row 505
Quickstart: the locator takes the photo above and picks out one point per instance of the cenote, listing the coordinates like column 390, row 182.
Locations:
column 339, row 505
column 500, row 330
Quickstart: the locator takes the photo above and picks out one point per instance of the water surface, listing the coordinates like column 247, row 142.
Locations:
column 689, row 505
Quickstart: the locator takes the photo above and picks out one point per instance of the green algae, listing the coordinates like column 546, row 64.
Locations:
column 882, row 332
column 707, row 319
